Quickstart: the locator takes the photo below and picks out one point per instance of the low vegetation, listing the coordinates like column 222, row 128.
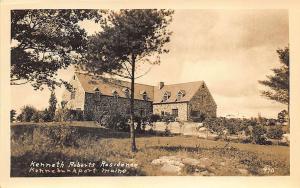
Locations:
column 52, row 142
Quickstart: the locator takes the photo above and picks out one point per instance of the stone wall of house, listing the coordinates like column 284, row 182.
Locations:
column 100, row 106
column 202, row 102
column 78, row 101
column 167, row 108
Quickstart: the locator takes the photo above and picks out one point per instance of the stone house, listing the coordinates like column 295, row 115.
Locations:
column 98, row 98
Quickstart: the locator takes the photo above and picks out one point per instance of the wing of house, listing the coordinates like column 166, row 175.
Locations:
column 98, row 97
column 185, row 100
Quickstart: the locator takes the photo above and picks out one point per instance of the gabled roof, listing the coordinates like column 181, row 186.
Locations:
column 108, row 86
column 190, row 88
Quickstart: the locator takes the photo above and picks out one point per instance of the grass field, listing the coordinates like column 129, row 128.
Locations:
column 44, row 143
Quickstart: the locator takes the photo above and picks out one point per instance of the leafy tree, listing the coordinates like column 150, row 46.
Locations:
column 36, row 117
column 258, row 134
column 26, row 113
column 46, row 115
column 128, row 39
column 283, row 116
column 52, row 105
column 13, row 115
column 44, row 41
column 275, row 132
column 279, row 82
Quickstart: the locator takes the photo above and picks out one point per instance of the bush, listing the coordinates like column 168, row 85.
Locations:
column 216, row 125
column 155, row 118
column 275, row 132
column 258, row 134
column 36, row 117
column 46, row 115
column 116, row 122
column 168, row 118
column 200, row 118
column 26, row 113
column 13, row 115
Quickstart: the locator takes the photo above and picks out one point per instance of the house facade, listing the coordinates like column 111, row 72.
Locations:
column 99, row 98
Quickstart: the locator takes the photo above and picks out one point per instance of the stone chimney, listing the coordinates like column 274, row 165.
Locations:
column 161, row 85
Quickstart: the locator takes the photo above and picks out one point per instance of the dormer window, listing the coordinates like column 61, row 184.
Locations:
column 97, row 94
column 166, row 96
column 115, row 94
column 180, row 95
column 144, row 95
column 126, row 92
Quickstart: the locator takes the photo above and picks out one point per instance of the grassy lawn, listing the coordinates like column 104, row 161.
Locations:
column 89, row 144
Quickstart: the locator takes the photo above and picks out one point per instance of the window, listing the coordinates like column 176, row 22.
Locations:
column 145, row 97
column 115, row 95
column 127, row 93
column 73, row 93
column 166, row 97
column 162, row 113
column 97, row 96
column 175, row 112
column 179, row 97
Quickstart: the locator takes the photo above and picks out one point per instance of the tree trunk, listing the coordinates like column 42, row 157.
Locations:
column 132, row 131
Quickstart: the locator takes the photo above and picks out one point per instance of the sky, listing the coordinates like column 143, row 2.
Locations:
column 228, row 49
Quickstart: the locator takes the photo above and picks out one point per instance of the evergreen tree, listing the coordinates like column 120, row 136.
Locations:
column 128, row 39
column 52, row 106
column 278, row 83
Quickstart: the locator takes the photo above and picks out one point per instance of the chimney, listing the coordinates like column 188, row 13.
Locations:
column 161, row 85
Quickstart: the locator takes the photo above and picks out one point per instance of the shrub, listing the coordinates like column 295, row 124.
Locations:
column 36, row 117
column 13, row 115
column 46, row 115
column 26, row 113
column 167, row 131
column 275, row 132
column 155, row 118
column 116, row 122
column 258, row 134
column 215, row 124
column 168, row 118
column 199, row 118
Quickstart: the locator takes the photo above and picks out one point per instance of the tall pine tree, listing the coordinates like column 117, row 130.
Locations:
column 52, row 105
column 128, row 39
column 278, row 83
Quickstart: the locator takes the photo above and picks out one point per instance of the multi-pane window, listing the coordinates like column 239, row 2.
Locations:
column 175, row 112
